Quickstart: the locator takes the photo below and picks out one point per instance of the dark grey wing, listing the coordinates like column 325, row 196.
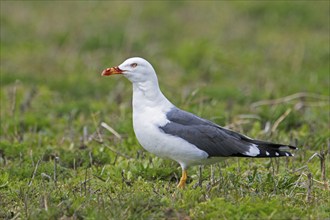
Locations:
column 218, row 141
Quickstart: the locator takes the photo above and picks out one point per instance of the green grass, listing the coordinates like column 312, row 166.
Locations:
column 216, row 59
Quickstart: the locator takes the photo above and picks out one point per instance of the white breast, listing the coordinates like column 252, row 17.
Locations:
column 146, row 122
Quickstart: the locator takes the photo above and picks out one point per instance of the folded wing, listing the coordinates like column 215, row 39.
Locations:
column 217, row 141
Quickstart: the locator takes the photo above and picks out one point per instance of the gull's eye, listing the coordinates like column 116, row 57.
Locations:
column 133, row 65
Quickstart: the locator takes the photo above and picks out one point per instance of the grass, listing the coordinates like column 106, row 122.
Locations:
column 236, row 63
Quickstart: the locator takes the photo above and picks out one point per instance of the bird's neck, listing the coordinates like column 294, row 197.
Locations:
column 148, row 94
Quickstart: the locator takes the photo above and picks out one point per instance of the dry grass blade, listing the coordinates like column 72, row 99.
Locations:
column 34, row 173
column 300, row 95
column 28, row 99
column 45, row 202
column 16, row 216
column 97, row 132
column 46, row 176
column 106, row 126
column 56, row 159
column 323, row 172
column 280, row 119
column 309, row 187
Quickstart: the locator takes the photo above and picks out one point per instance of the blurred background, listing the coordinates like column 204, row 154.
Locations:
column 225, row 52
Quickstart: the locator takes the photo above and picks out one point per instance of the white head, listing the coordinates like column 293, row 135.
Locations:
column 135, row 69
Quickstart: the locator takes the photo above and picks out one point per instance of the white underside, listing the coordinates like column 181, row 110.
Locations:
column 146, row 128
column 146, row 122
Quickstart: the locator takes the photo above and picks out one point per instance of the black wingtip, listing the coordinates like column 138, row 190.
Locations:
column 275, row 150
column 287, row 147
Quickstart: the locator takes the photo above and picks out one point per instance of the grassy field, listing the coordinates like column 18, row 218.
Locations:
column 257, row 67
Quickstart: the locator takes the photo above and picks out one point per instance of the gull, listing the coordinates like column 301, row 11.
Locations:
column 169, row 132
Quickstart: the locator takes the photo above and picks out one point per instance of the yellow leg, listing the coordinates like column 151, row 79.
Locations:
column 183, row 179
